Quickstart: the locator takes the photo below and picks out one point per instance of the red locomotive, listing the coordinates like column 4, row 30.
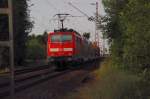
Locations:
column 68, row 46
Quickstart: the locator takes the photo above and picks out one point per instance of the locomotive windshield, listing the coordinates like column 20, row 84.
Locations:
column 61, row 38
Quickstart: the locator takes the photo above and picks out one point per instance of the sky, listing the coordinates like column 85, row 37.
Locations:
column 42, row 13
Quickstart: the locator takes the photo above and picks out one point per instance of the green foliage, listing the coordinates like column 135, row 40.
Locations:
column 128, row 29
column 116, row 85
column 113, row 28
column 135, row 18
column 111, row 83
column 127, row 75
column 36, row 47
column 22, row 27
column 86, row 35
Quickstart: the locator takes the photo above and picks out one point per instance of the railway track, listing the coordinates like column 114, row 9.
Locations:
column 28, row 77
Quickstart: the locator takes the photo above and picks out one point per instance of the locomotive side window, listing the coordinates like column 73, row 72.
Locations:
column 61, row 38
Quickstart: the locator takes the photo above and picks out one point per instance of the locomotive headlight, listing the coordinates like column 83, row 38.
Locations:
column 68, row 49
column 54, row 49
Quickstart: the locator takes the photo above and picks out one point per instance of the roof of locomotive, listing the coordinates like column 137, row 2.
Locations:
column 71, row 31
column 67, row 31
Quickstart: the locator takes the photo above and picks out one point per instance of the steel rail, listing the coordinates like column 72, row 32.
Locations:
column 28, row 78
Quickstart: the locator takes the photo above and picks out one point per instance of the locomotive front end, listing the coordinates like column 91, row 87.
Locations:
column 60, row 47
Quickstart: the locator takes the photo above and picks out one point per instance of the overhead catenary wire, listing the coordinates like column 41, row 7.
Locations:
column 41, row 24
column 53, row 10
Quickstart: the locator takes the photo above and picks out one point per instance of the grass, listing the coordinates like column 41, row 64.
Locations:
column 110, row 83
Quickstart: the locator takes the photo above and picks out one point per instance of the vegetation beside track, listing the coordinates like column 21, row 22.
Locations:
column 36, row 47
column 22, row 27
column 113, row 83
column 127, row 74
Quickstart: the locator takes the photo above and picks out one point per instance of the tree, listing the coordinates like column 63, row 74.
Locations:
column 22, row 27
column 128, row 30
column 112, row 27
column 37, row 42
column 135, row 18
column 86, row 35
column 4, row 34
column 35, row 49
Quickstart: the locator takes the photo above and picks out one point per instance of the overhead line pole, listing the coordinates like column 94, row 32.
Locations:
column 96, row 26
column 11, row 39
column 9, row 11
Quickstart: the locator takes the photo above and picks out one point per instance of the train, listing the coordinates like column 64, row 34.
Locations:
column 69, row 47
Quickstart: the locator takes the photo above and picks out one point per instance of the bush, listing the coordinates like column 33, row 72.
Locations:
column 35, row 50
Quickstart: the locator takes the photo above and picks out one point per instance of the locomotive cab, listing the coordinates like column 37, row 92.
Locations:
column 65, row 47
column 60, row 46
